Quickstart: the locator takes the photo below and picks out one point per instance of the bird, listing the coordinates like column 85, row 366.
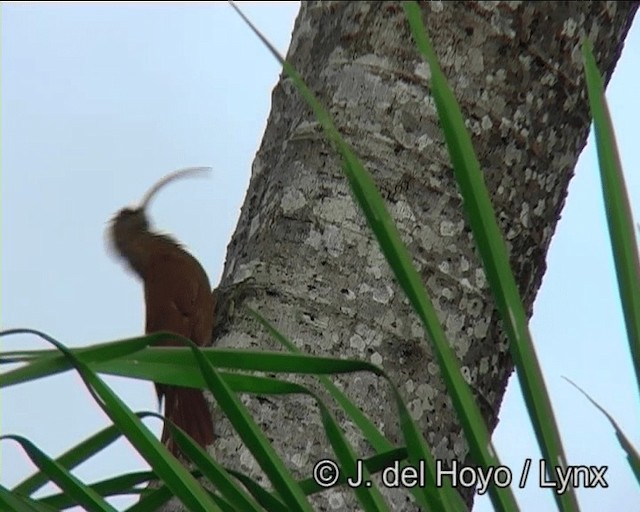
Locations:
column 178, row 299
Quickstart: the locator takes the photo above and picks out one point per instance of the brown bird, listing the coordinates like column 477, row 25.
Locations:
column 178, row 299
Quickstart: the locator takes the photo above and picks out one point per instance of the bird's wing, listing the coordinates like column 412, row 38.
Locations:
column 171, row 301
column 171, row 295
column 179, row 300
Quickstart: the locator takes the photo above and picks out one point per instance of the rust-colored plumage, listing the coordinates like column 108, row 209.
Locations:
column 178, row 299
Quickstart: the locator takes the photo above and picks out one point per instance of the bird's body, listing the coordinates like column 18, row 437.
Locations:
column 178, row 299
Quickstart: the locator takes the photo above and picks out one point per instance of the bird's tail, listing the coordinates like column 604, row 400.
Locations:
column 188, row 409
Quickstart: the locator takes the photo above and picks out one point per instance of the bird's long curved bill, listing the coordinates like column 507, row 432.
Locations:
column 180, row 173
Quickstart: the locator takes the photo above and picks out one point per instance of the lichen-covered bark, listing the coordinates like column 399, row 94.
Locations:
column 302, row 253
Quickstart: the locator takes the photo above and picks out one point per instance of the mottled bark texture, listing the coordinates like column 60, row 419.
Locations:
column 303, row 255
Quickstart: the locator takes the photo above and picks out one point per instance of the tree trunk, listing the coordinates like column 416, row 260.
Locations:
column 303, row 255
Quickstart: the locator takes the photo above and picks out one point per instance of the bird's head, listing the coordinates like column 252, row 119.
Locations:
column 129, row 225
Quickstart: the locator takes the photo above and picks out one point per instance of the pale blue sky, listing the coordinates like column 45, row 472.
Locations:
column 99, row 101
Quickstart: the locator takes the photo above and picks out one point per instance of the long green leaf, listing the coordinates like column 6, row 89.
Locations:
column 416, row 445
column 117, row 486
column 71, row 485
column 50, row 362
column 17, row 503
column 481, row 218
column 268, row 500
column 215, row 473
column 371, row 433
column 152, row 500
column 73, row 457
column 379, row 442
column 633, row 457
column 174, row 365
column 617, row 207
column 253, row 438
column 368, row 494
